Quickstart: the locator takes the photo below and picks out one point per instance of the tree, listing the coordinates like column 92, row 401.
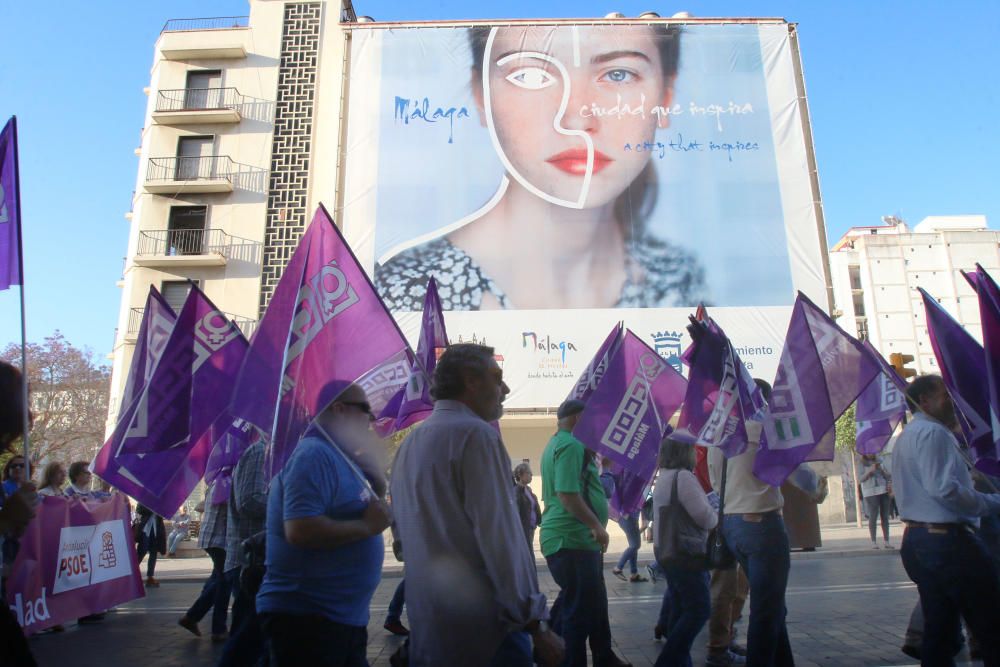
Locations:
column 846, row 430
column 69, row 399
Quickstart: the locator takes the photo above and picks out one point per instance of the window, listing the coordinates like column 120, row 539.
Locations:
column 192, row 158
column 175, row 292
column 203, row 89
column 859, row 304
column 854, row 272
column 862, row 325
column 186, row 230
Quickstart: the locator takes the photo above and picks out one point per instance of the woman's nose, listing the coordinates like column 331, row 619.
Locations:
column 578, row 115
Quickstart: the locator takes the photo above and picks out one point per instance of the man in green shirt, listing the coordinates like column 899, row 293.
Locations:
column 573, row 541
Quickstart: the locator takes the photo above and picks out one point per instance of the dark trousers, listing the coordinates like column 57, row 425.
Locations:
column 395, row 611
column 245, row 646
column 689, row 610
column 630, row 526
column 582, row 605
column 663, row 620
column 956, row 578
column 214, row 594
column 313, row 640
column 761, row 547
column 143, row 546
column 876, row 506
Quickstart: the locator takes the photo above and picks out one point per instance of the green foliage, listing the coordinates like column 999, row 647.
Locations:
column 846, row 430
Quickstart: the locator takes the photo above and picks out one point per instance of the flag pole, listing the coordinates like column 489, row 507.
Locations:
column 25, row 439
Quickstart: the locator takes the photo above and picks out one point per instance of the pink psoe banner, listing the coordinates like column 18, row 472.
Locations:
column 76, row 558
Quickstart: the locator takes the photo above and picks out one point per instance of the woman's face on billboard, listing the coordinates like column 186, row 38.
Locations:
column 562, row 102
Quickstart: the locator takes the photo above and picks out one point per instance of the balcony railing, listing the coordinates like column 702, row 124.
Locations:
column 206, row 168
column 213, row 23
column 198, row 99
column 246, row 325
column 177, row 242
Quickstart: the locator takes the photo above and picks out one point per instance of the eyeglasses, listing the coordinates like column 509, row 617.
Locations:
column 364, row 406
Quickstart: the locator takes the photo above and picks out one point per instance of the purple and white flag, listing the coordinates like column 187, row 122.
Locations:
column 961, row 361
column 989, row 313
column 628, row 413
column 881, row 407
column 822, row 371
column 157, row 322
column 225, row 454
column 324, row 328
column 160, row 447
column 591, row 376
column 10, row 208
column 413, row 402
column 721, row 393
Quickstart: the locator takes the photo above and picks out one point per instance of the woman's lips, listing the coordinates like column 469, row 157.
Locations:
column 575, row 161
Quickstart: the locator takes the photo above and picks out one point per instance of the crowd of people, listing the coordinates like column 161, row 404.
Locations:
column 303, row 556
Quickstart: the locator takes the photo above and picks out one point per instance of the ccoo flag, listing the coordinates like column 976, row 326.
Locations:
column 881, row 407
column 157, row 322
column 628, row 414
column 822, row 371
column 961, row 360
column 413, row 402
column 160, row 447
column 325, row 325
column 989, row 313
column 10, row 208
column 721, row 394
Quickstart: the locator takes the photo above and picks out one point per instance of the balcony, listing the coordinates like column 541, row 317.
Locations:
column 224, row 37
column 186, row 106
column 186, row 175
column 183, row 248
column 246, row 325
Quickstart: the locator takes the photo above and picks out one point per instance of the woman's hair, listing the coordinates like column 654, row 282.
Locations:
column 458, row 359
column 76, row 468
column 50, row 473
column 519, row 470
column 11, row 406
column 632, row 207
column 10, row 462
column 674, row 454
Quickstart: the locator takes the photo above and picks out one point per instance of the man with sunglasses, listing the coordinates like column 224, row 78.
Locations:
column 477, row 603
column 325, row 517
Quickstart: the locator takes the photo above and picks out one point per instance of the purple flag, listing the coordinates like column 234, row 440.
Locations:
column 628, row 413
column 325, row 327
column 721, row 393
column 10, row 208
column 598, row 366
column 989, row 313
column 159, row 449
column 413, row 402
column 822, row 371
column 225, row 454
column 157, row 322
column 881, row 407
column 961, row 360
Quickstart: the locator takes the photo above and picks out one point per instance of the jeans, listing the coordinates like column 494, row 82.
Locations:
column 313, row 640
column 245, row 646
column 214, row 594
column 174, row 538
column 875, row 506
column 956, row 578
column 630, row 525
column 515, row 651
column 143, row 547
column 729, row 593
column 582, row 605
column 689, row 610
column 761, row 548
column 663, row 620
column 395, row 611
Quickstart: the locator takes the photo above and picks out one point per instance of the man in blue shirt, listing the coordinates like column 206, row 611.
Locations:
column 941, row 550
column 324, row 544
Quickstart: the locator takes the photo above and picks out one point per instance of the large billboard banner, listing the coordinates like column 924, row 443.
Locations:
column 557, row 178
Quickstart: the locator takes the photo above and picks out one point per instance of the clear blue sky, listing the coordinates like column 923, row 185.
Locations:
column 903, row 95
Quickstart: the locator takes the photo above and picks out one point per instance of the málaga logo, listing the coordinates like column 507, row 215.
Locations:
column 668, row 345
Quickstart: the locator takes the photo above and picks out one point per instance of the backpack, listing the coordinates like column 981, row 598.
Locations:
column 680, row 541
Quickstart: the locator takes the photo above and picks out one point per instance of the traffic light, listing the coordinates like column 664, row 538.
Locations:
column 899, row 362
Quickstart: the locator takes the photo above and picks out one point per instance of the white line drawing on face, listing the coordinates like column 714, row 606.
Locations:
column 576, row 46
column 488, row 103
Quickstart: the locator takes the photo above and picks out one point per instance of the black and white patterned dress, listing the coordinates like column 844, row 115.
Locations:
column 658, row 275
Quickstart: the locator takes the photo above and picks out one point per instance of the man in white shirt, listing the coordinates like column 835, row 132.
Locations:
column 941, row 551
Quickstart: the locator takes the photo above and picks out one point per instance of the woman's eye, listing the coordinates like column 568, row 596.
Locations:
column 619, row 76
column 531, row 78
